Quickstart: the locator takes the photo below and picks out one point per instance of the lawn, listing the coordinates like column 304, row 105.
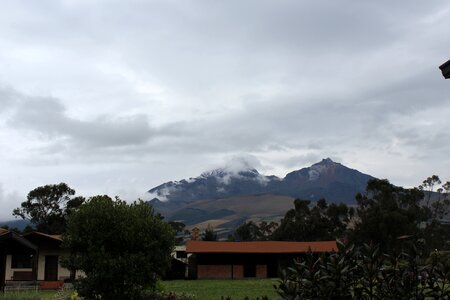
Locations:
column 202, row 289
column 28, row 295
column 215, row 289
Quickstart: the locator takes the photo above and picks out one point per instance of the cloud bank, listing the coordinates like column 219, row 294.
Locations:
column 114, row 97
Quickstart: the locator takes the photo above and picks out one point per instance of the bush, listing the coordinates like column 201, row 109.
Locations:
column 121, row 248
column 246, row 298
column 364, row 273
column 156, row 295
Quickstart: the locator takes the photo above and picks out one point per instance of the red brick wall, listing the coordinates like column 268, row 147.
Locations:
column 225, row 271
column 238, row 271
column 261, row 271
column 213, row 271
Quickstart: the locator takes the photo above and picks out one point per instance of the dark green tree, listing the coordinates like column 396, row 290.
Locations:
column 251, row 231
column 179, row 229
column 121, row 248
column 209, row 234
column 48, row 207
column 428, row 186
column 436, row 205
column 387, row 212
column 248, row 231
column 313, row 223
column 437, row 201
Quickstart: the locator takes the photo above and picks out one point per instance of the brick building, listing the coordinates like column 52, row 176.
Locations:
column 234, row 260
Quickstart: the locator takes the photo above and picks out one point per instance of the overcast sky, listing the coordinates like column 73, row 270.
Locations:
column 116, row 97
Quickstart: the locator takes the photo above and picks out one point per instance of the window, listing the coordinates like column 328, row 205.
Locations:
column 21, row 261
column 181, row 254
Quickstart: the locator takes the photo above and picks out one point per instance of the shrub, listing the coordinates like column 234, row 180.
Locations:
column 365, row 273
column 121, row 248
column 158, row 295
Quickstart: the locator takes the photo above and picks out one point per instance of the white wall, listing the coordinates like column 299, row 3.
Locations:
column 63, row 273
column 10, row 272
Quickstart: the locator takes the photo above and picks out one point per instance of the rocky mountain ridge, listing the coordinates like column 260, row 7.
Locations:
column 325, row 179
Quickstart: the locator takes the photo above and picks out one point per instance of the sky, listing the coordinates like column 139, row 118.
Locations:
column 116, row 97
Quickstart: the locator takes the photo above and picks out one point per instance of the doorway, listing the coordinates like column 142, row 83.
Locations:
column 250, row 270
column 51, row 268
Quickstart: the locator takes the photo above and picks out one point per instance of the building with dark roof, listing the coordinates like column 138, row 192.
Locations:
column 32, row 258
column 234, row 260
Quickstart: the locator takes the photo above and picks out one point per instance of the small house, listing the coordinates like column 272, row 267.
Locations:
column 32, row 258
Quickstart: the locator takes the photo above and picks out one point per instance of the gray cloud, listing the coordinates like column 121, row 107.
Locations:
column 48, row 116
column 163, row 90
column 8, row 201
column 7, row 98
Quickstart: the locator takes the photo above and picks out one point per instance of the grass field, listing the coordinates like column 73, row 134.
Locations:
column 202, row 289
column 215, row 289
column 29, row 295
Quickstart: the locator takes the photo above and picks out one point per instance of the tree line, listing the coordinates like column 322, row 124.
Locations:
column 384, row 214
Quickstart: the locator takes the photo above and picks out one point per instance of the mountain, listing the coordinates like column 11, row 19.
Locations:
column 325, row 179
column 220, row 183
column 227, row 197
column 19, row 224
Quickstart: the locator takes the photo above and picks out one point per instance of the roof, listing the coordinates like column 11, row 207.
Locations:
column 180, row 248
column 8, row 236
column 446, row 64
column 260, row 247
column 56, row 237
column 445, row 68
column 3, row 231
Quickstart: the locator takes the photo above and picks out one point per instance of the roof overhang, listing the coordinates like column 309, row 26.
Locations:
column 37, row 234
column 260, row 247
column 43, row 240
column 9, row 238
column 445, row 68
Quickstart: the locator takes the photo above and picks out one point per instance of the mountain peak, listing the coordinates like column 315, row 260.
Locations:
column 326, row 161
column 226, row 171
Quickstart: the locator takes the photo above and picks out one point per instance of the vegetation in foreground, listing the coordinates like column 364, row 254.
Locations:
column 367, row 273
column 121, row 248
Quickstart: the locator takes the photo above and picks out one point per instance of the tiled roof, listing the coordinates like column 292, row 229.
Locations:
column 260, row 247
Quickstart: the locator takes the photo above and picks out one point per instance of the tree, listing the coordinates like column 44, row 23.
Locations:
column 179, row 229
column 321, row 222
column 121, row 248
column 437, row 205
column 251, row 231
column 48, row 207
column 209, row 234
column 428, row 187
column 387, row 212
column 437, row 201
